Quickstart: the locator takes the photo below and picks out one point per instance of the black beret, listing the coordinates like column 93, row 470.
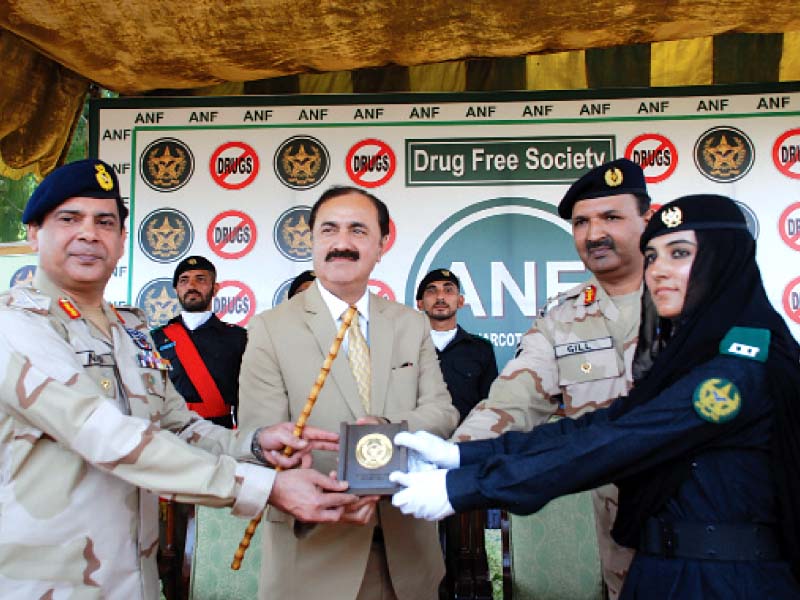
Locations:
column 700, row 211
column 620, row 176
column 436, row 275
column 304, row 277
column 192, row 263
column 89, row 178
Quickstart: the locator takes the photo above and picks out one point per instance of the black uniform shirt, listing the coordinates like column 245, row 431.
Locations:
column 221, row 346
column 469, row 368
column 730, row 480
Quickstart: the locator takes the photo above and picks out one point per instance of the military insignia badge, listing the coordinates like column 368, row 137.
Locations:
column 104, row 179
column 166, row 164
column 158, row 300
column 589, row 295
column 292, row 235
column 68, row 307
column 717, row 400
column 613, row 177
column 301, row 162
column 165, row 235
column 672, row 217
column 724, row 154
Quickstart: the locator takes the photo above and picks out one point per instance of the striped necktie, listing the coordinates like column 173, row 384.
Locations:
column 358, row 354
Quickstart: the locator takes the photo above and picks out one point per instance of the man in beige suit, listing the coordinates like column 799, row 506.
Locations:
column 393, row 556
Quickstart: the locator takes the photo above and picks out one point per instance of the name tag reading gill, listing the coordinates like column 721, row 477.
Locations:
column 582, row 346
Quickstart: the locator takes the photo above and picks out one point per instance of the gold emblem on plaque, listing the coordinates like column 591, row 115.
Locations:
column 105, row 384
column 586, row 367
column 374, row 450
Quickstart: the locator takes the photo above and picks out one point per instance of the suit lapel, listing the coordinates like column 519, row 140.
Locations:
column 319, row 321
column 381, row 342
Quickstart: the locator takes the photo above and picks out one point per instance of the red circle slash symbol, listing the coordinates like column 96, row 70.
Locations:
column 786, row 153
column 655, row 153
column 379, row 288
column 789, row 226
column 370, row 163
column 231, row 234
column 791, row 300
column 234, row 165
column 234, row 303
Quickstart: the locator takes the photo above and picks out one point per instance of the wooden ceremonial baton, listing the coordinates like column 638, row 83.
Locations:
column 299, row 425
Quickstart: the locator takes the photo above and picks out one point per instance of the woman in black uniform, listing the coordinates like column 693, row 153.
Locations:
column 705, row 449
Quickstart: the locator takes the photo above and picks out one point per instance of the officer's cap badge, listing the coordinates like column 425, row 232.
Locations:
column 613, row 177
column 672, row 217
column 104, row 179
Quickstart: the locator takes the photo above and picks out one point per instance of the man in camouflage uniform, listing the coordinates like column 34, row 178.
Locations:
column 577, row 355
column 91, row 429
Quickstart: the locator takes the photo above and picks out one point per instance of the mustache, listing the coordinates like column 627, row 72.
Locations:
column 606, row 242
column 349, row 254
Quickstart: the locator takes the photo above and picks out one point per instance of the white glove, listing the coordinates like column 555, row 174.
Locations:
column 430, row 448
column 425, row 495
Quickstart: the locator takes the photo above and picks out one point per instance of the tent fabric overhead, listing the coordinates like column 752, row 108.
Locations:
column 132, row 47
column 52, row 50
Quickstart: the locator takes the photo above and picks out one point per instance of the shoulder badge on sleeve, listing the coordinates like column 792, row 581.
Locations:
column 717, row 400
column 746, row 342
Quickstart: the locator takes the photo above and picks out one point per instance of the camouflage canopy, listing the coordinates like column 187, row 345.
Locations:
column 53, row 50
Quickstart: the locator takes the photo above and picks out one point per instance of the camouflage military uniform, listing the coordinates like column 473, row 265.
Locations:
column 578, row 353
column 86, row 447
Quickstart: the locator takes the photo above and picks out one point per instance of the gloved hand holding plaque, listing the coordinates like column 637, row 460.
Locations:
column 367, row 454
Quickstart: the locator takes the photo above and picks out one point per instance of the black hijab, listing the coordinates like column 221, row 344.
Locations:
column 725, row 290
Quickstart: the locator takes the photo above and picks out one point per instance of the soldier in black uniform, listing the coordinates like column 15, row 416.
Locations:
column 205, row 353
column 469, row 367
column 467, row 361
column 705, row 448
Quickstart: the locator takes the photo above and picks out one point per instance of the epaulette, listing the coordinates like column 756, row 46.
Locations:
column 123, row 309
column 746, row 342
column 559, row 299
column 27, row 298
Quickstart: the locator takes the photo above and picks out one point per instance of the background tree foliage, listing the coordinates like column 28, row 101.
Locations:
column 14, row 193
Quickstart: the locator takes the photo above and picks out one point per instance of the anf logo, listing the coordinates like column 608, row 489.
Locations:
column 724, row 154
column 166, row 164
column 165, row 235
column 292, row 235
column 301, row 162
column 159, row 302
column 505, row 278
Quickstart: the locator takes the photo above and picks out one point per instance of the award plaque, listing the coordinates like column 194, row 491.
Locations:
column 367, row 455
